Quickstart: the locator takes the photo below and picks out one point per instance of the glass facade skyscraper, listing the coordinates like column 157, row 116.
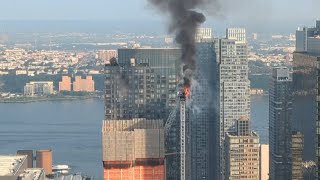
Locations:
column 140, row 92
column 280, row 124
column 142, row 83
column 204, row 112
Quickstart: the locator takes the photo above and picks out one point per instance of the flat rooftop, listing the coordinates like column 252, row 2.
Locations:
column 32, row 173
column 73, row 177
column 9, row 165
column 234, row 134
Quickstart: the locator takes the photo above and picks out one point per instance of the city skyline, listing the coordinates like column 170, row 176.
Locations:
column 186, row 102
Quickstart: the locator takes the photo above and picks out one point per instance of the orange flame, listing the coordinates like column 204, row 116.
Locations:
column 187, row 92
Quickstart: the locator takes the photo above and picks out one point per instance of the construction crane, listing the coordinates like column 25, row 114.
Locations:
column 173, row 114
column 183, row 131
column 181, row 107
column 171, row 119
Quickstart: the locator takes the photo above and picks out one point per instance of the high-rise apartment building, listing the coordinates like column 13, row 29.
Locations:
column 65, row 84
column 38, row 88
column 204, row 35
column 238, row 34
column 137, row 92
column 142, row 84
column 234, row 89
column 318, row 121
column 304, row 101
column 44, row 160
column 280, row 124
column 242, row 159
column 234, row 84
column 307, row 39
column 204, row 112
column 164, row 61
column 305, row 89
column 83, row 85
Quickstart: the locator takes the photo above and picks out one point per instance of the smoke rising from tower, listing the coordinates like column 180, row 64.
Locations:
column 184, row 21
column 120, row 77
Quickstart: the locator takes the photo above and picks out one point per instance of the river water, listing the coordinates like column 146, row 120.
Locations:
column 73, row 130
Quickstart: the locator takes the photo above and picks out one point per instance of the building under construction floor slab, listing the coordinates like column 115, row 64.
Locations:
column 133, row 149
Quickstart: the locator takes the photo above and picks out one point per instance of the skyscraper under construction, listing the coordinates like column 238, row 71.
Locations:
column 140, row 92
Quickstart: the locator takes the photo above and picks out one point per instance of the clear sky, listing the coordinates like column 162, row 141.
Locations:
column 233, row 12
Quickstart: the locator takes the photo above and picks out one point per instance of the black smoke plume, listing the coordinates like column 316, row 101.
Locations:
column 184, row 21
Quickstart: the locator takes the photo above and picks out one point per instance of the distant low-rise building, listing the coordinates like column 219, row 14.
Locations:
column 31, row 73
column 21, row 72
column 83, row 85
column 257, row 92
column 4, row 73
column 94, row 72
column 38, row 88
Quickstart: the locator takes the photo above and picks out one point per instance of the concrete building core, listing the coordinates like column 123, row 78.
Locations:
column 133, row 149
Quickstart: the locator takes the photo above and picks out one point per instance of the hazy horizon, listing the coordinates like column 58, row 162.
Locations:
column 256, row 15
